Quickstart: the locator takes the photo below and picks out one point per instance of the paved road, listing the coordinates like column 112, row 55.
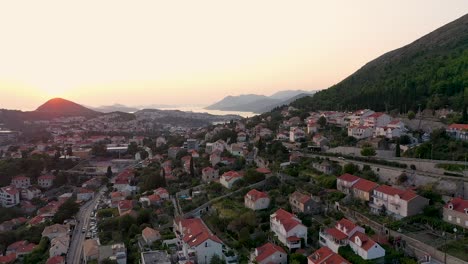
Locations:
column 76, row 247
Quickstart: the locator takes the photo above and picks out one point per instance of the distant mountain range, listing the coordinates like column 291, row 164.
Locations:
column 258, row 103
column 62, row 107
column 58, row 107
column 429, row 73
column 115, row 108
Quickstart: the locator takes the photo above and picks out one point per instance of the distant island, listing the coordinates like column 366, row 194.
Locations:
column 258, row 103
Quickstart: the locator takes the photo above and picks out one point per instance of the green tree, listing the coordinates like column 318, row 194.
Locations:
column 297, row 258
column 350, row 168
column 66, row 211
column 322, row 121
column 132, row 149
column 40, row 254
column 368, row 151
column 411, row 115
column 192, row 169
column 397, row 149
column 109, row 172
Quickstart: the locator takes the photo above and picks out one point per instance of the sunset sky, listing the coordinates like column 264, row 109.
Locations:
column 196, row 52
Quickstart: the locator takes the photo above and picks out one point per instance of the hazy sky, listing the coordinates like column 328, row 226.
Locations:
column 182, row 52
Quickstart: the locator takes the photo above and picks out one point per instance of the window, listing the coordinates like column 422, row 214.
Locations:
column 449, row 218
column 458, row 220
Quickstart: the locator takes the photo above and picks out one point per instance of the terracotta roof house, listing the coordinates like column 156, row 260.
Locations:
column 150, row 235
column 345, row 182
column 288, row 228
column 270, row 254
column 21, row 181
column 9, row 196
column 209, row 174
column 363, row 189
column 229, row 178
column 456, row 212
column 8, row 258
column 365, row 247
column 198, row 242
column 25, row 250
column 345, row 233
column 161, row 192
column 304, row 203
column 12, row 248
column 324, row 255
column 337, row 236
column 124, row 206
column 458, row 131
column 256, row 200
column 45, row 181
column 396, row 202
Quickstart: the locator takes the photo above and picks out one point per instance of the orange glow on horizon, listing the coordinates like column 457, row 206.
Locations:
column 197, row 52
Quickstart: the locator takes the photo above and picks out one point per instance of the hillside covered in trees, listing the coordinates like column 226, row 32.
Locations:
column 431, row 71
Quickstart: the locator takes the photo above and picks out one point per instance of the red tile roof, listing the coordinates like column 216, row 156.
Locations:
column 404, row 194
column 20, row 178
column 286, row 219
column 458, row 204
column 10, row 258
column 346, row 224
column 293, row 238
column 46, row 177
column 56, row 260
column 348, row 177
column 16, row 245
column 325, row 255
column 83, row 190
column 458, row 126
column 154, row 198
column 254, row 195
column 267, row 250
column 125, row 205
column 117, row 194
column 207, row 170
column 121, row 181
column 161, row 191
column 27, row 248
column 300, row 197
column 335, row 233
column 230, row 175
column 376, row 115
column 365, row 185
column 367, row 243
column 264, row 170
column 36, row 220
column 11, row 190
column 196, row 232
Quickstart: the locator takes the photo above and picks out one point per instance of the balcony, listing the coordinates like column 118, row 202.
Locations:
column 293, row 242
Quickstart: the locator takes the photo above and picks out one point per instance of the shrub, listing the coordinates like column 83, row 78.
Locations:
column 368, row 151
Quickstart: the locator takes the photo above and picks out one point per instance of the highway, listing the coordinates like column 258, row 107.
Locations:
column 74, row 255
